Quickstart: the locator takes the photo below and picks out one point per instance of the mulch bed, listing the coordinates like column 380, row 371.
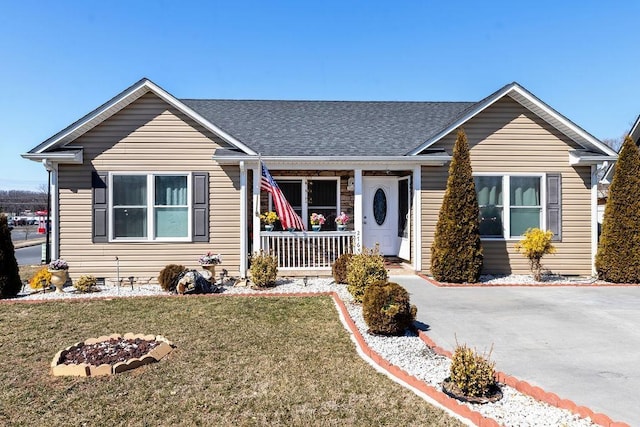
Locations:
column 109, row 352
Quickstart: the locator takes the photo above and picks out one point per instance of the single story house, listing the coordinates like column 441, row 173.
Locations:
column 151, row 180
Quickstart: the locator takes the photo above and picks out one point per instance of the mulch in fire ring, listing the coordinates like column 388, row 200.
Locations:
column 108, row 355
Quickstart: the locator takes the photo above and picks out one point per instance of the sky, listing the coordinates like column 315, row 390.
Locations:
column 60, row 60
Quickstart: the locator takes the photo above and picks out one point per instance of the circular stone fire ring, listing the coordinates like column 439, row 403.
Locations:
column 110, row 354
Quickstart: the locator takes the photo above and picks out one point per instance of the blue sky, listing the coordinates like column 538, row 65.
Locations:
column 60, row 60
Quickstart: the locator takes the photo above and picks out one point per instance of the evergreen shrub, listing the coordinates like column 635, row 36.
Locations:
column 41, row 280
column 264, row 269
column 386, row 309
column 10, row 283
column 86, row 284
column 362, row 270
column 456, row 253
column 169, row 276
column 339, row 268
column 618, row 256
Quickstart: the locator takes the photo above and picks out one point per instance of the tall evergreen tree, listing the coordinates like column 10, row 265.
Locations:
column 9, row 276
column 618, row 257
column 456, row 254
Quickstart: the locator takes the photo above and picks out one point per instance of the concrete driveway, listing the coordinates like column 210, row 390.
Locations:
column 582, row 343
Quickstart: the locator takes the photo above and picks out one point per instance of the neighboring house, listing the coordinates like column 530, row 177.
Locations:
column 154, row 180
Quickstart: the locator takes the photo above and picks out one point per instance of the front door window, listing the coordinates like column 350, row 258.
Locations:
column 380, row 206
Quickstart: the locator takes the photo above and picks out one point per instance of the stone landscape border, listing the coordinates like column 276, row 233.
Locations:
column 59, row 369
column 402, row 376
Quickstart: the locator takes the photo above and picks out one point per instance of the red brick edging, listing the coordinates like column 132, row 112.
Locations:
column 434, row 393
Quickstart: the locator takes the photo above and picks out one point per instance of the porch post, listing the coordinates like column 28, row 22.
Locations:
column 417, row 218
column 357, row 208
column 255, row 212
column 594, row 216
column 243, row 219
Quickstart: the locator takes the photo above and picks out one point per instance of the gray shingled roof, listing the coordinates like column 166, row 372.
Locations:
column 337, row 128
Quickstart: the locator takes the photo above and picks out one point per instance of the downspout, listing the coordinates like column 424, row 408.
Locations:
column 243, row 219
column 53, row 243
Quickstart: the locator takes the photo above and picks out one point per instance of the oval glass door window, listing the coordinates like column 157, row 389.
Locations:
column 380, row 206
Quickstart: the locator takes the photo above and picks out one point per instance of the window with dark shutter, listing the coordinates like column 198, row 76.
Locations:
column 554, row 205
column 100, row 207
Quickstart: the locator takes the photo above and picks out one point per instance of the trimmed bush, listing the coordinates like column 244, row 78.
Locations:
column 472, row 373
column 264, row 270
column 10, row 283
column 169, row 276
column 536, row 244
column 456, row 253
column 386, row 309
column 86, row 284
column 618, row 256
column 41, row 280
column 339, row 268
column 362, row 270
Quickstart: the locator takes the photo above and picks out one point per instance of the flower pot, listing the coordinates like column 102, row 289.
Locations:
column 342, row 227
column 316, row 227
column 58, row 279
column 209, row 271
column 268, row 227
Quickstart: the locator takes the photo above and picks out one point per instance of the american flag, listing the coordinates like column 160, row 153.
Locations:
column 288, row 217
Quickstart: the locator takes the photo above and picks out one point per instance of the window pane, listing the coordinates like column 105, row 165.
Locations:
column 523, row 218
column 171, row 222
column 130, row 222
column 292, row 191
column 129, row 190
column 525, row 191
column 171, row 190
column 489, row 190
column 491, row 221
column 322, row 192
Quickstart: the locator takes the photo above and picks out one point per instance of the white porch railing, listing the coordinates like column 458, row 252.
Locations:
column 307, row 250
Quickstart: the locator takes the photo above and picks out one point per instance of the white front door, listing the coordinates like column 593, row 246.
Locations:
column 380, row 214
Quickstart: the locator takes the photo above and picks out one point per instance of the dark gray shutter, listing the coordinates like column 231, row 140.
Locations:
column 100, row 207
column 554, row 205
column 200, row 207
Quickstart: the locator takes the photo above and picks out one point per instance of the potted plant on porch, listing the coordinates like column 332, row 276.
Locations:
column 316, row 221
column 341, row 221
column 269, row 218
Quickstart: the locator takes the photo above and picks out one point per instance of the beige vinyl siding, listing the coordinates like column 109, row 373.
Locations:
column 504, row 138
column 147, row 136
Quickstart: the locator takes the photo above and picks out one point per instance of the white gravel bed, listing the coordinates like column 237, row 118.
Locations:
column 408, row 352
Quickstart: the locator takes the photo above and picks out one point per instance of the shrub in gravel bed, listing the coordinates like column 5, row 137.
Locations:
column 86, row 283
column 472, row 373
column 362, row 270
column 386, row 309
column 339, row 268
column 169, row 275
column 264, row 270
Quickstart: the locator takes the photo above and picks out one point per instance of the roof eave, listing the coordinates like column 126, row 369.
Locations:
column 342, row 162
column 67, row 157
column 578, row 158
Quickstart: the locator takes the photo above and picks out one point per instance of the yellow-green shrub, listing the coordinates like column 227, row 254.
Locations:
column 40, row 280
column 472, row 373
column 536, row 244
column 386, row 308
column 362, row 270
column 264, row 269
column 86, row 284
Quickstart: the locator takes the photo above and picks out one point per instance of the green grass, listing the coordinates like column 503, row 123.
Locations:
column 237, row 361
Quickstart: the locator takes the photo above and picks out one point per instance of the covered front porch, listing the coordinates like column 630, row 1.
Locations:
column 381, row 195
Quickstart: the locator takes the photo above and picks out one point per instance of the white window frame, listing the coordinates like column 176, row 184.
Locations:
column 506, row 201
column 151, row 207
column 305, row 191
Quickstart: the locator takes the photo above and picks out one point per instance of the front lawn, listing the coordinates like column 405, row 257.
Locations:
column 237, row 361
